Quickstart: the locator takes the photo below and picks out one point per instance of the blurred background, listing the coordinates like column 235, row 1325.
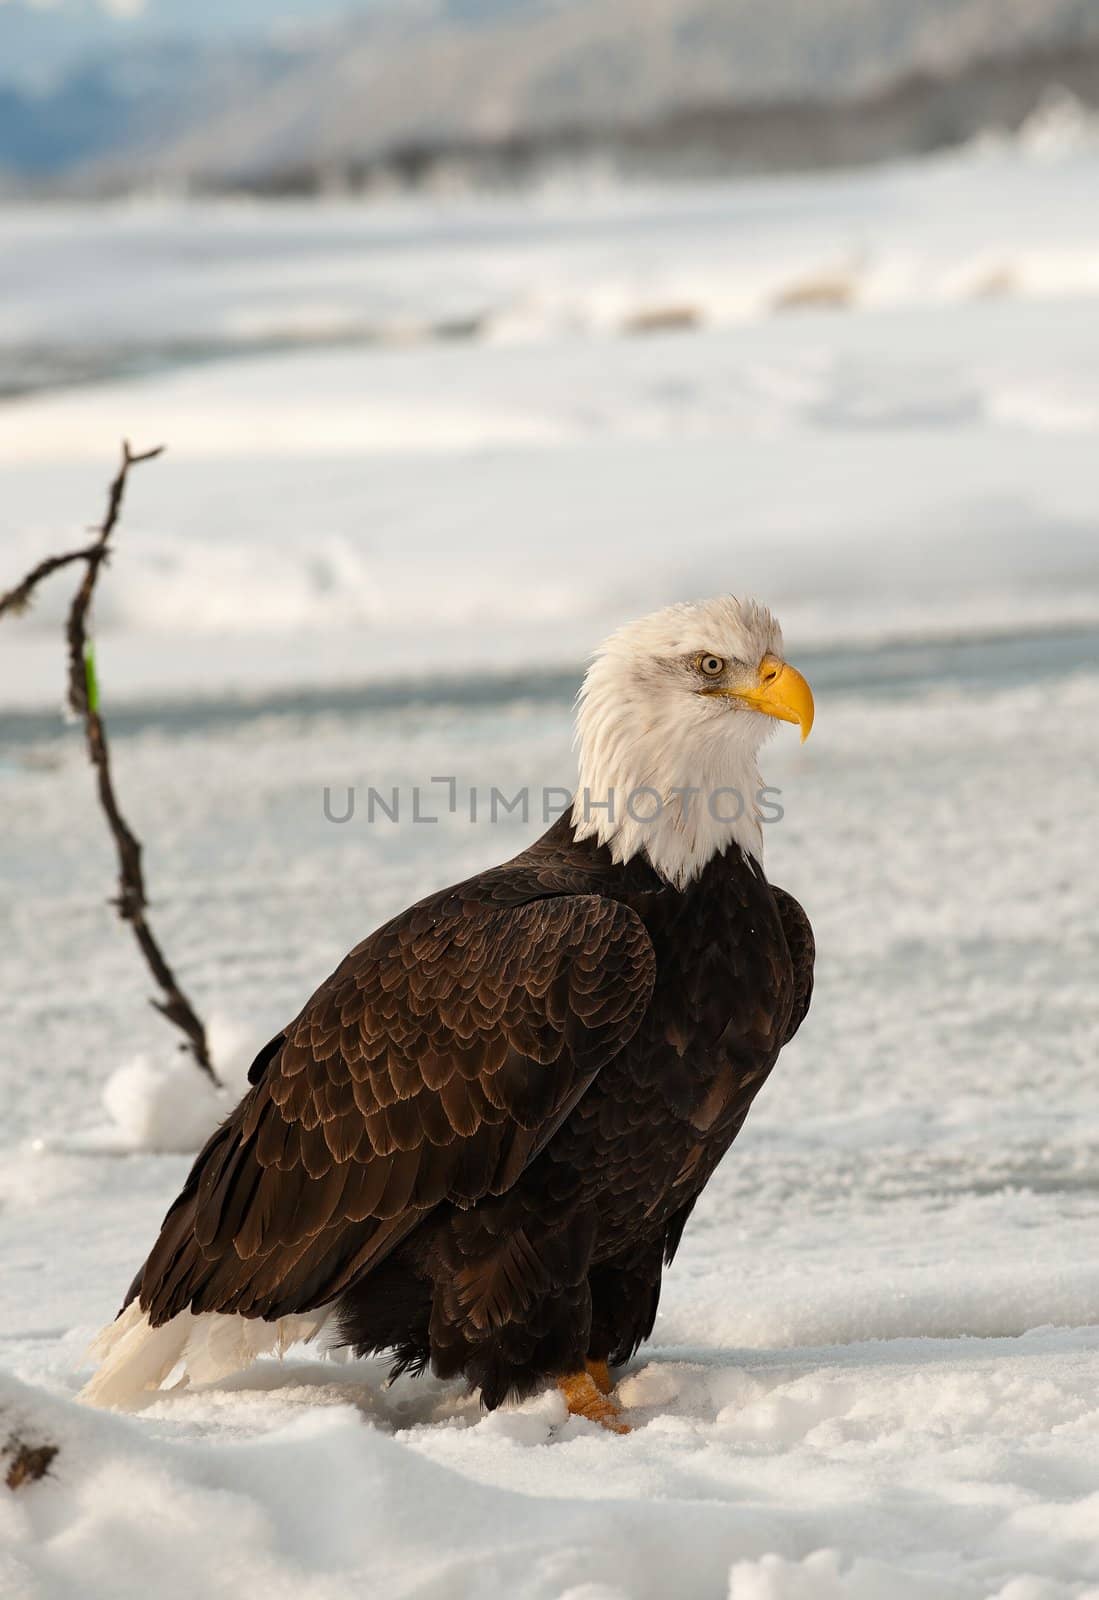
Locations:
column 475, row 325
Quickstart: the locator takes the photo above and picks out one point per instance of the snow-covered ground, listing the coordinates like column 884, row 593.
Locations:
column 876, row 1367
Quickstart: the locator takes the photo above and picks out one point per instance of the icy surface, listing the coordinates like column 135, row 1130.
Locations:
column 876, row 1366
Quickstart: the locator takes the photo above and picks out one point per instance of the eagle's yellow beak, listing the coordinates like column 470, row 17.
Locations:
column 781, row 692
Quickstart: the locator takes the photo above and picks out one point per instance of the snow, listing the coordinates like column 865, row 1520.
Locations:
column 165, row 1105
column 965, row 368
column 341, row 1485
column 160, row 1107
column 876, row 1366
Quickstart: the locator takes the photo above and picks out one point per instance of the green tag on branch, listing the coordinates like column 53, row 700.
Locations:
column 91, row 681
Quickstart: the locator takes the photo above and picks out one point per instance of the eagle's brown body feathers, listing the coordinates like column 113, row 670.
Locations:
column 481, row 1138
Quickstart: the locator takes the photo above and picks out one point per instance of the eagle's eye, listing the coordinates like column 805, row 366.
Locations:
column 710, row 666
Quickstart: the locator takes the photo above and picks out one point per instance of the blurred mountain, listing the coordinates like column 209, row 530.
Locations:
column 130, row 103
column 42, row 41
column 182, row 92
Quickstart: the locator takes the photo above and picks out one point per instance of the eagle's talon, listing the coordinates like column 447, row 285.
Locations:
column 600, row 1374
column 585, row 1398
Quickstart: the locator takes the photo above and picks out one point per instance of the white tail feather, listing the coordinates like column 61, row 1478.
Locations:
column 136, row 1359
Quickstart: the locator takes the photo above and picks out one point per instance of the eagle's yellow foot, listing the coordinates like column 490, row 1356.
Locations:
column 600, row 1374
column 584, row 1398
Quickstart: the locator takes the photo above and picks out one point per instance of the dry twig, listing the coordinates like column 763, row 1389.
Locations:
column 27, row 1463
column 130, row 901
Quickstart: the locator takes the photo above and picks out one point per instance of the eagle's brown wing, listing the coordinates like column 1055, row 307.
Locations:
column 802, row 946
column 433, row 1064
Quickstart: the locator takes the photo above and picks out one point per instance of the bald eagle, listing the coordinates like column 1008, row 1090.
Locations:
column 477, row 1145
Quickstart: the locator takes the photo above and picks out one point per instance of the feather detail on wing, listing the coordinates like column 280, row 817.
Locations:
column 432, row 1066
column 802, row 946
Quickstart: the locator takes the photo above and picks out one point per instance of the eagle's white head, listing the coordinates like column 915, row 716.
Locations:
column 670, row 719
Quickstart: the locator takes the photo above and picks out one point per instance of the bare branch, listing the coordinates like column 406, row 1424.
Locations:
column 18, row 599
column 95, row 556
column 130, row 901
